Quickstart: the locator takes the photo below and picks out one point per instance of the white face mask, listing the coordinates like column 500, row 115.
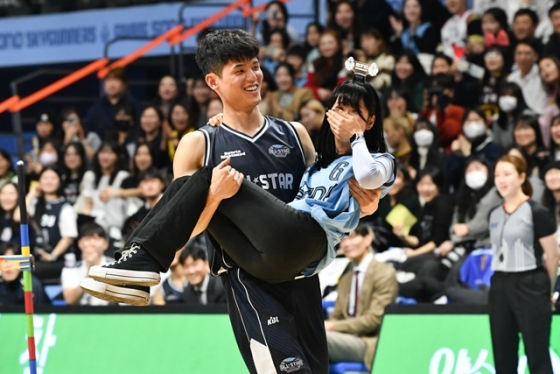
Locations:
column 48, row 158
column 424, row 138
column 476, row 179
column 507, row 103
column 473, row 130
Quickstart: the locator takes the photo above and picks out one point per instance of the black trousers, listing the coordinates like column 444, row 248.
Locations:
column 260, row 233
column 520, row 303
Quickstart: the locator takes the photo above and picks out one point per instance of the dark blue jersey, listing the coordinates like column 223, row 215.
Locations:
column 273, row 158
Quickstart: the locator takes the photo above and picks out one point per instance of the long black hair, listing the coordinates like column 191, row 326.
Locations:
column 41, row 204
column 65, row 171
column 512, row 89
column 96, row 167
column 352, row 93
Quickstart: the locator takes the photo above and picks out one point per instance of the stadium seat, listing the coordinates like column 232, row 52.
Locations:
column 348, row 368
column 406, row 300
column 54, row 292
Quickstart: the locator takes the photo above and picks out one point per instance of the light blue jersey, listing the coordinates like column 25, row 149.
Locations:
column 325, row 195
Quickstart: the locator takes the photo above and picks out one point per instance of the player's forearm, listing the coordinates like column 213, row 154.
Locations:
column 370, row 172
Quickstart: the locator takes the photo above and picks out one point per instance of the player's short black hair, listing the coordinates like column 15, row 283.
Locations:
column 219, row 47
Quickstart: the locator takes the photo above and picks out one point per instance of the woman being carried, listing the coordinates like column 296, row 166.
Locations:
column 269, row 235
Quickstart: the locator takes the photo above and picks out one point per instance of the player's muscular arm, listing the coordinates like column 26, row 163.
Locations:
column 306, row 142
column 225, row 181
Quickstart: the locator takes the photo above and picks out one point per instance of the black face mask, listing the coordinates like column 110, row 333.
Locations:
column 123, row 124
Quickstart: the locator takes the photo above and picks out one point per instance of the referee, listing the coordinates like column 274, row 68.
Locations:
column 521, row 232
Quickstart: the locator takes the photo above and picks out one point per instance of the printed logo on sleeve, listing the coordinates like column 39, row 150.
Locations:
column 291, row 364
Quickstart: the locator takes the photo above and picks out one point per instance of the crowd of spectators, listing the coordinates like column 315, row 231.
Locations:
column 460, row 88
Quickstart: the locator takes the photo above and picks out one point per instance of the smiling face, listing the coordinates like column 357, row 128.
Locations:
column 427, row 189
column 49, row 182
column 507, row 180
column 403, row 68
column 195, row 270
column 72, row 158
column 8, row 197
column 412, row 11
column 489, row 24
column 179, row 117
column 167, row 89
column 240, row 83
column 356, row 246
column 92, row 248
column 344, row 16
column 552, row 179
column 284, row 79
column 524, row 135
column 8, row 271
column 143, row 157
column 548, row 70
column 328, row 45
column 149, row 121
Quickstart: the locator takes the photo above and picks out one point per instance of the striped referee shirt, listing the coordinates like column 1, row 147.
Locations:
column 515, row 236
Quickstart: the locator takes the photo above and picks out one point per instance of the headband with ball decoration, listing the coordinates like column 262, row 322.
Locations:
column 361, row 70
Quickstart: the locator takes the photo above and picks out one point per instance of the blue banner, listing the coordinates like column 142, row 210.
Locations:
column 81, row 36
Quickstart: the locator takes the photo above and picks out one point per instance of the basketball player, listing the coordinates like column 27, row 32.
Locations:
column 278, row 326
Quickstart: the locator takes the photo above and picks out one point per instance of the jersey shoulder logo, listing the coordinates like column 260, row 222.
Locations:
column 279, row 150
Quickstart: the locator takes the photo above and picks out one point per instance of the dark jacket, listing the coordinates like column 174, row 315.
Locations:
column 215, row 293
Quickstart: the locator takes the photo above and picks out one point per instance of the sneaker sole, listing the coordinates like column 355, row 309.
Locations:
column 115, row 294
column 119, row 277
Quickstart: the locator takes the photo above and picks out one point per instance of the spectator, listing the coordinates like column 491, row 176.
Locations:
column 552, row 48
column 555, row 139
column 343, row 20
column 74, row 132
column 426, row 152
column 469, row 227
column 535, row 180
column 171, row 289
column 54, row 223
column 45, row 129
column 311, row 117
column 286, row 102
column 373, row 14
column 397, row 135
column 527, row 75
column 375, row 51
column 168, row 93
column 109, row 212
column 151, row 185
column 7, row 171
column 401, row 193
column 327, row 70
column 525, row 263
column 9, row 211
column 497, row 68
column 456, row 31
column 399, row 105
column 48, row 157
column 182, row 119
column 311, row 45
column 92, row 242
column 277, row 17
column 125, row 135
column 100, row 118
column 438, row 109
column 202, row 95
column 409, row 74
column 151, row 123
column 475, row 142
column 525, row 23
column 550, row 74
column 275, row 51
column 363, row 295
column 441, row 64
column 527, row 136
column 512, row 105
column 215, row 107
column 415, row 32
column 296, row 56
column 268, row 86
column 431, row 228
column 551, row 198
column 73, row 169
column 202, row 288
column 11, row 286
column 495, row 28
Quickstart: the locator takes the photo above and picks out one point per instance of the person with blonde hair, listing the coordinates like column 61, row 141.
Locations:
column 311, row 117
column 397, row 133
